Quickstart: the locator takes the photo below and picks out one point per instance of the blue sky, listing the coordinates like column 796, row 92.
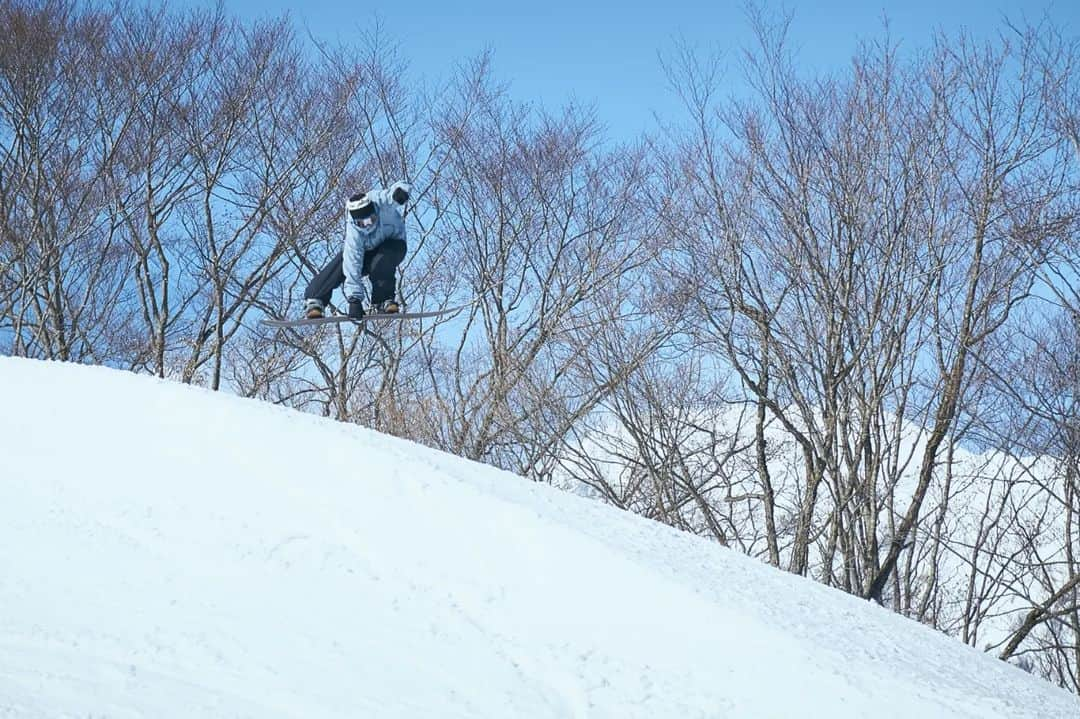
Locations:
column 605, row 53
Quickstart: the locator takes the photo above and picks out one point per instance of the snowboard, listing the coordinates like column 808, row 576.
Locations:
column 339, row 319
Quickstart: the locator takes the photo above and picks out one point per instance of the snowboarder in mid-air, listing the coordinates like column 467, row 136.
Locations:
column 374, row 246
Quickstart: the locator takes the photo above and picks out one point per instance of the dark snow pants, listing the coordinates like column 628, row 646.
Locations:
column 380, row 266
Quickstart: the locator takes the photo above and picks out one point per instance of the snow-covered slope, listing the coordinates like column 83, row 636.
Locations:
column 170, row 552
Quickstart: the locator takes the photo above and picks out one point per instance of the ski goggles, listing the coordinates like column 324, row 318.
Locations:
column 362, row 212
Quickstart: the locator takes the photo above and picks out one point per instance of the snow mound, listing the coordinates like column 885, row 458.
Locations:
column 167, row 551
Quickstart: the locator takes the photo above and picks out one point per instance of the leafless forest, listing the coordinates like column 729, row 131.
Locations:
column 833, row 322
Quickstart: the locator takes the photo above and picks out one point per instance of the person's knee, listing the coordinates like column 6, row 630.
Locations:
column 389, row 257
column 396, row 251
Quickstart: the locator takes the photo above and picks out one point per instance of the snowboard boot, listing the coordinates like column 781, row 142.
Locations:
column 313, row 309
column 386, row 307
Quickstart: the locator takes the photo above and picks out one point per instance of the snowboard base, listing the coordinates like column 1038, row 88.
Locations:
column 340, row 319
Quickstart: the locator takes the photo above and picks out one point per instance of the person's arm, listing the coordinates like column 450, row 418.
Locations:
column 397, row 193
column 353, row 263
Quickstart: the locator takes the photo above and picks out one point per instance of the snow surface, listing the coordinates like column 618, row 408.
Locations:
column 166, row 551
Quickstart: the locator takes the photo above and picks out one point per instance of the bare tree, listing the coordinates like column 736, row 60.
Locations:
column 65, row 272
column 858, row 249
column 544, row 228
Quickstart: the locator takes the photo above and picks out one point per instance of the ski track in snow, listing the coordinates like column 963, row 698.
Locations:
column 167, row 551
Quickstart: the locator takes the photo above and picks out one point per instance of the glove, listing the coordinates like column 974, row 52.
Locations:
column 400, row 194
column 356, row 309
